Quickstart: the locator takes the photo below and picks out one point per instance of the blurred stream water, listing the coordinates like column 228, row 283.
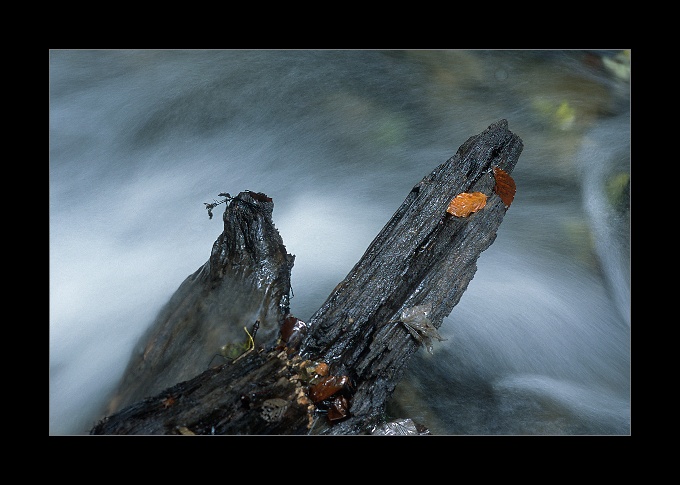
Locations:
column 139, row 140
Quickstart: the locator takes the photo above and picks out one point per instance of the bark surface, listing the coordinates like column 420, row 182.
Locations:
column 334, row 374
column 213, row 312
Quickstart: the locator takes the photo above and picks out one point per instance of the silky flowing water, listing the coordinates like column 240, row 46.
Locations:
column 540, row 342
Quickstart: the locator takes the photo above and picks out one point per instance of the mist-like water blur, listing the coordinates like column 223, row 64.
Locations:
column 139, row 140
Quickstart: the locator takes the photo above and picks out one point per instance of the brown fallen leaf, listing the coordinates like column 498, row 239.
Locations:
column 505, row 186
column 466, row 203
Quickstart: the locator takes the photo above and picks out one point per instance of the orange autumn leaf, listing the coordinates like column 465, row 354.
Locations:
column 505, row 186
column 466, row 203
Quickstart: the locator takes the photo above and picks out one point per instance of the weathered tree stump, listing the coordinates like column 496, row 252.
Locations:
column 245, row 280
column 347, row 360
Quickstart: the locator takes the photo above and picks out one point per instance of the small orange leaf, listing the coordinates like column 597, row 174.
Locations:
column 505, row 186
column 466, row 203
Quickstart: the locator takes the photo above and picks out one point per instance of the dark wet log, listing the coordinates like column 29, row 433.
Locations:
column 245, row 280
column 423, row 259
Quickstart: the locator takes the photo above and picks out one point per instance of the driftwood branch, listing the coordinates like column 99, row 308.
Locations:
column 243, row 287
column 333, row 374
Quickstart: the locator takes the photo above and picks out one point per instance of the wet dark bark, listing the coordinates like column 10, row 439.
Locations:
column 422, row 258
column 245, row 280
